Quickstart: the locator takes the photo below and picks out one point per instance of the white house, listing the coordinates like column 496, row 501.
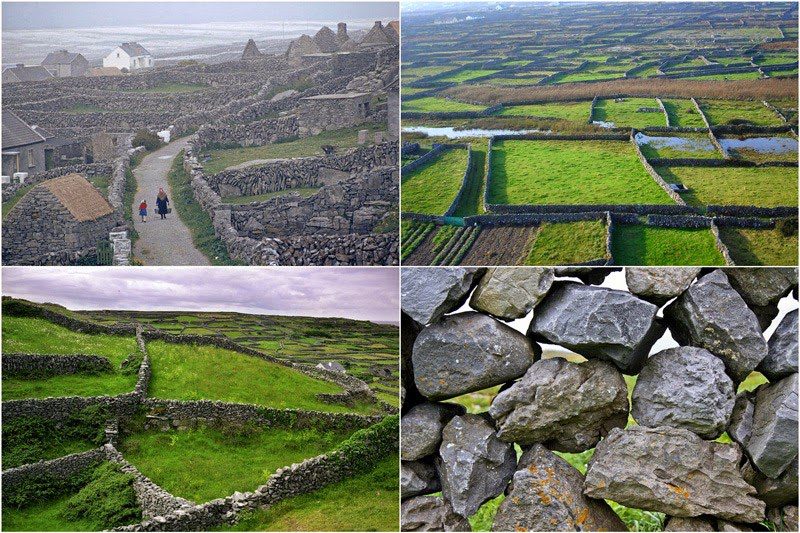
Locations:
column 130, row 56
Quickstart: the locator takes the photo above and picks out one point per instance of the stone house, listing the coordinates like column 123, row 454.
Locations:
column 63, row 64
column 379, row 36
column 316, row 114
column 129, row 56
column 251, row 51
column 301, row 46
column 20, row 73
column 23, row 147
column 57, row 222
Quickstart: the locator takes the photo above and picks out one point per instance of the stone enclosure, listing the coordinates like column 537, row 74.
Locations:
column 496, row 406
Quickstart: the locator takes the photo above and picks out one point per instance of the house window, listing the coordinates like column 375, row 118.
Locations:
column 117, row 54
column 31, row 158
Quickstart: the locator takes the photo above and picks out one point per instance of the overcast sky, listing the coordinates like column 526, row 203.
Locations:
column 361, row 293
column 45, row 15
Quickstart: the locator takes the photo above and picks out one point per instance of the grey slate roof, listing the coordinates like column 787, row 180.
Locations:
column 23, row 73
column 17, row 133
column 134, row 49
column 62, row 57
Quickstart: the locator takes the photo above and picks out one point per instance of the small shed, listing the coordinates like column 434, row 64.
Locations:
column 333, row 111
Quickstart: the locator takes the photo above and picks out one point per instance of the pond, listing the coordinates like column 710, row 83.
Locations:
column 687, row 144
column 772, row 145
column 452, row 133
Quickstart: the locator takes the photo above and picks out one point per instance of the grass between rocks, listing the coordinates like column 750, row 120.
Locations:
column 626, row 112
column 577, row 111
column 570, row 172
column 204, row 463
column 762, row 186
column 587, row 241
column 641, row 245
column 195, row 218
column 366, row 502
column 433, row 187
column 342, row 139
column 305, row 192
column 767, row 247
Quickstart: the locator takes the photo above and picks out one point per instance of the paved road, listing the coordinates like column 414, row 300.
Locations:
column 161, row 242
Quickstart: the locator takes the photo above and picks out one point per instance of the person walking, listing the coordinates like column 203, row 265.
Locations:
column 143, row 210
column 161, row 203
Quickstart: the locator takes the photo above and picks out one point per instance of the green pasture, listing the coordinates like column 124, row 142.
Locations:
column 760, row 186
column 568, row 243
column 720, row 112
column 466, row 75
column 578, row 111
column 438, row 104
column 682, row 113
column 641, row 245
column 432, row 188
column 760, row 247
column 626, row 112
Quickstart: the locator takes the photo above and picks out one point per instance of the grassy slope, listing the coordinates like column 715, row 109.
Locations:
column 641, row 245
column 106, row 384
column 569, row 172
column 760, row 246
column 763, row 187
column 724, row 111
column 625, row 113
column 432, row 188
column 587, row 241
column 682, row 113
column 45, row 516
column 203, row 464
column 367, row 502
column 195, row 218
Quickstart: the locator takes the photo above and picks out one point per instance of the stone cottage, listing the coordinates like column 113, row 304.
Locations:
column 301, row 46
column 251, row 51
column 63, row 64
column 129, row 56
column 316, row 114
column 20, row 73
column 57, row 222
column 379, row 36
column 23, row 147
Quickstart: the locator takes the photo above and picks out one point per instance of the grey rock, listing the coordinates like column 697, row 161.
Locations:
column 474, row 465
column 741, row 423
column 711, row 315
column 762, row 286
column 598, row 322
column 673, row 471
column 509, row 293
column 546, row 494
column 429, row 513
column 588, row 275
column 781, row 359
column 684, row 387
column 724, row 525
column 421, row 428
column 659, row 285
column 784, row 518
column 772, row 445
column 428, row 293
column 567, row 406
column 774, row 492
column 681, row 523
column 418, row 478
column 467, row 352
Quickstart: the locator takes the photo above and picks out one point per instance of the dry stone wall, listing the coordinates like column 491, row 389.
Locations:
column 684, row 397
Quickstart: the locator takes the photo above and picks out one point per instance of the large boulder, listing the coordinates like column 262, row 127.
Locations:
column 474, row 465
column 681, row 523
column 762, row 286
column 430, row 513
column 509, row 293
column 598, row 322
column 418, row 478
column 567, row 406
column 740, row 425
column 711, row 315
column 546, row 494
column 684, row 387
column 659, row 285
column 467, row 352
column 781, row 359
column 673, row 471
column 428, row 293
column 772, row 444
column 421, row 428
column 774, row 492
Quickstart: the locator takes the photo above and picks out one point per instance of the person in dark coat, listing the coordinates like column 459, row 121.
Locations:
column 161, row 203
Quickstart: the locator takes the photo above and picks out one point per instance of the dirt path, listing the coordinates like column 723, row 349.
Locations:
column 161, row 242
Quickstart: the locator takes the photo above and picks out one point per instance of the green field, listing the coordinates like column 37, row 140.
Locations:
column 750, row 75
column 721, row 112
column 433, row 187
column 369, row 500
column 570, row 172
column 640, row 245
column 699, row 147
column 466, row 75
column 626, row 112
column 203, row 464
column 682, row 113
column 767, row 247
column 578, row 111
column 587, row 241
column 436, row 104
column 761, row 186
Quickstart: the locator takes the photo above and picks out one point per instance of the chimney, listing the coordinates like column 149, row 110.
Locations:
column 378, row 24
column 341, row 31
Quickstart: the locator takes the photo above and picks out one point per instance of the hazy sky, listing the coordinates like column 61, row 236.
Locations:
column 44, row 15
column 362, row 293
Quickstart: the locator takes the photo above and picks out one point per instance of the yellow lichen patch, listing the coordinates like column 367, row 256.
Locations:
column 519, row 528
column 582, row 516
column 533, row 470
column 515, row 500
column 678, row 490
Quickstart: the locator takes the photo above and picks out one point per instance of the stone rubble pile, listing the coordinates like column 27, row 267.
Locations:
column 664, row 448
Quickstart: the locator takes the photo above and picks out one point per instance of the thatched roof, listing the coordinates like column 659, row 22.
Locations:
column 79, row 197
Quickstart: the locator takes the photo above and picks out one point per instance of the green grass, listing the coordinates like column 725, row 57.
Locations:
column 472, row 198
column 682, row 113
column 195, row 218
column 768, row 247
column 466, row 75
column 101, row 384
column 570, row 172
column 204, row 463
column 305, row 192
column 721, row 112
column 587, row 241
column 101, row 183
column 366, row 502
column 640, row 245
column 577, row 111
column 342, row 139
column 424, row 72
column 436, row 104
column 54, row 446
column 431, row 188
column 188, row 372
column 625, row 113
column 11, row 202
column 171, row 88
column 762, row 187
column 46, row 515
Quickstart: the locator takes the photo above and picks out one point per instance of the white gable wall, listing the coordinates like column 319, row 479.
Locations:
column 118, row 58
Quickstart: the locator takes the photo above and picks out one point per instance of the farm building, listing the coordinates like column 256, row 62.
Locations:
column 23, row 147
column 20, row 73
column 129, row 56
column 63, row 64
column 333, row 111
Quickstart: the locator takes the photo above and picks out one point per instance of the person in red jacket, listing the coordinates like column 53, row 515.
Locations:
column 143, row 210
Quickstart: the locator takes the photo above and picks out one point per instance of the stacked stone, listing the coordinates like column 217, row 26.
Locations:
column 667, row 459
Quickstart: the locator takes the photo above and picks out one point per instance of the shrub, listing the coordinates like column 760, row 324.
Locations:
column 108, row 499
column 148, row 139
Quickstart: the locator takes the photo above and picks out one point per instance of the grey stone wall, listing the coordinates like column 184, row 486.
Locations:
column 257, row 133
column 42, row 365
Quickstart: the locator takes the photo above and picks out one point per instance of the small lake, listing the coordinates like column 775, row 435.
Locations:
column 771, row 145
column 687, row 144
column 452, row 133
